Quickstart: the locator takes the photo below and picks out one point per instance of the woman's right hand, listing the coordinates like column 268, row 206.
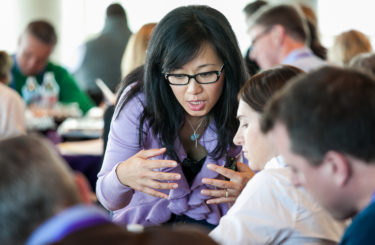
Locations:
column 138, row 173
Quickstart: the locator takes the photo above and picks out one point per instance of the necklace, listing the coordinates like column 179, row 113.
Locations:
column 195, row 135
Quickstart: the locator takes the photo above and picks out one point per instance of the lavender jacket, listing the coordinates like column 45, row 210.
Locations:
column 134, row 207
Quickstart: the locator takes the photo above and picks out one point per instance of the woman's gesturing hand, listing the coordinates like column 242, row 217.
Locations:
column 227, row 190
column 138, row 173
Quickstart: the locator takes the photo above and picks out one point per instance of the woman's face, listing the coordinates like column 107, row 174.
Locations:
column 198, row 99
column 256, row 147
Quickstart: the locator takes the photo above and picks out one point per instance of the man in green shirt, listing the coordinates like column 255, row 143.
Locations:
column 32, row 59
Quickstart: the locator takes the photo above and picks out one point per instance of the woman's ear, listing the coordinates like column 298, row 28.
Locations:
column 338, row 167
column 84, row 189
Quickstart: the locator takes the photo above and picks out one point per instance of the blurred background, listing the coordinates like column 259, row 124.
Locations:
column 79, row 20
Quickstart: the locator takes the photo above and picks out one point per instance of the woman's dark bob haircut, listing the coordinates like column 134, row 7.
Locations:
column 176, row 40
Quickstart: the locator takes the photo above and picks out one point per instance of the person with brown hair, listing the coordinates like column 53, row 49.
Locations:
column 12, row 108
column 249, row 10
column 35, row 46
column 348, row 44
column 101, row 56
column 42, row 202
column 135, row 52
column 280, row 36
column 323, row 125
column 270, row 210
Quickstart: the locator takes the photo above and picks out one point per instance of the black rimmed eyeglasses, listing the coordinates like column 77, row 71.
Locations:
column 201, row 78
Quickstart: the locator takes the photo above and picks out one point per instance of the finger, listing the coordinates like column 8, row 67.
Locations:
column 242, row 167
column 153, row 192
column 222, row 170
column 162, row 176
column 221, row 200
column 150, row 153
column 160, row 185
column 153, row 164
column 223, row 184
column 214, row 193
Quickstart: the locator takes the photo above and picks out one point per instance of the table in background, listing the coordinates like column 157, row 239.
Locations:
column 84, row 156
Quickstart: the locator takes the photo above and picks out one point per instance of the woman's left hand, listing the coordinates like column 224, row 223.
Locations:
column 227, row 190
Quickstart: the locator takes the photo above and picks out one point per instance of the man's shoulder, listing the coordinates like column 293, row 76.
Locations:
column 362, row 229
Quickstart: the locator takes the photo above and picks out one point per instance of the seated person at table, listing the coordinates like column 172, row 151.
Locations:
column 180, row 116
column 43, row 202
column 12, row 108
column 270, row 210
column 323, row 125
column 31, row 60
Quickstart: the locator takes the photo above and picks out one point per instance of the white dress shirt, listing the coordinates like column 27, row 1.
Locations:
column 12, row 113
column 270, row 210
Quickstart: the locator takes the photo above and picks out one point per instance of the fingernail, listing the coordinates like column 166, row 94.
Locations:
column 204, row 192
column 204, row 180
column 210, row 166
column 175, row 186
column 173, row 164
column 177, row 176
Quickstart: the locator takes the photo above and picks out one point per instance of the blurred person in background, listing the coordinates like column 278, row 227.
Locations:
column 249, row 11
column 135, row 52
column 101, row 56
column 12, row 108
column 279, row 35
column 323, row 126
column 348, row 44
column 364, row 62
column 42, row 202
column 35, row 46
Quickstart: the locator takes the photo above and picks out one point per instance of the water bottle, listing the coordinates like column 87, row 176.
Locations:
column 31, row 91
column 49, row 91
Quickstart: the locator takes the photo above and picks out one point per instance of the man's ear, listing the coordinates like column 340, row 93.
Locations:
column 278, row 34
column 338, row 166
column 83, row 187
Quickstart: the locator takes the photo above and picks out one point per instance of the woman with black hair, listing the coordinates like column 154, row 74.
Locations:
column 175, row 119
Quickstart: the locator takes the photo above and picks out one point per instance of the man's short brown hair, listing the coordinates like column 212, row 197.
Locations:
column 43, row 31
column 285, row 15
column 330, row 109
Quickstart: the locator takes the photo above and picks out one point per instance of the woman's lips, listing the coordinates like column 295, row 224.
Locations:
column 196, row 105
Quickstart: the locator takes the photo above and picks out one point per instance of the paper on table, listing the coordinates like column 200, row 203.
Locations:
column 108, row 94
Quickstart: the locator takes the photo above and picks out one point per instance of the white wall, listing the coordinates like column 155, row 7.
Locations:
column 77, row 20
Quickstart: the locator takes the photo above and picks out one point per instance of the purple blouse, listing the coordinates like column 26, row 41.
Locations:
column 134, row 207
